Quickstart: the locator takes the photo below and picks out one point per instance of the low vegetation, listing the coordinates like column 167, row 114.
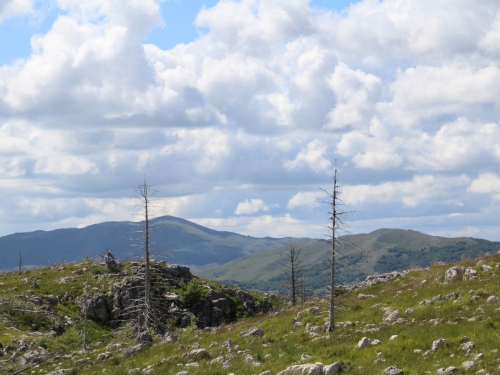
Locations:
column 402, row 320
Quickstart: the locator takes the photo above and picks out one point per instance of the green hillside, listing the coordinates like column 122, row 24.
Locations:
column 384, row 250
column 420, row 323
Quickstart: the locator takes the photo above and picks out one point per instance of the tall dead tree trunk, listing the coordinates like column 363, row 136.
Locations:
column 20, row 265
column 144, row 193
column 293, row 271
column 85, row 315
column 335, row 224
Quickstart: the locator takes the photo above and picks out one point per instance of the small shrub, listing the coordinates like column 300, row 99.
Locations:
column 192, row 292
column 97, row 270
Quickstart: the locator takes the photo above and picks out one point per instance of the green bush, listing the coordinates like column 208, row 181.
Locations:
column 192, row 292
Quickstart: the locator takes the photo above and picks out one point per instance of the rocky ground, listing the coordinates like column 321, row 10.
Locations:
column 440, row 320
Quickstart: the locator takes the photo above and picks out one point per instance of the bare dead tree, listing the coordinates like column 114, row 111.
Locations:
column 20, row 265
column 111, row 262
column 336, row 225
column 302, row 288
column 293, row 271
column 85, row 315
column 145, row 194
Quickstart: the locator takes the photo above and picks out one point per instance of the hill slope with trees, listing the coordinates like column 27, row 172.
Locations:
column 383, row 250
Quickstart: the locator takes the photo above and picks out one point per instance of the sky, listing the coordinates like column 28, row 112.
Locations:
column 237, row 112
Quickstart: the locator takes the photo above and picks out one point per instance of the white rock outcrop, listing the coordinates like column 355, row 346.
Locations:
column 312, row 369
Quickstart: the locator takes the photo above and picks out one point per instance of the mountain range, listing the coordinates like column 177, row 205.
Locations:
column 177, row 240
column 249, row 262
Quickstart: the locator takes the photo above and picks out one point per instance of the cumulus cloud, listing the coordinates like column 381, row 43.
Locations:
column 486, row 183
column 309, row 199
column 312, row 156
column 404, row 93
column 15, row 8
column 251, row 206
column 421, row 190
column 356, row 93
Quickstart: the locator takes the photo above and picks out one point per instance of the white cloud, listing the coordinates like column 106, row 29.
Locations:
column 421, row 190
column 15, row 8
column 309, row 199
column 426, row 91
column 486, row 183
column 251, row 206
column 356, row 92
column 312, row 156
column 63, row 165
column 404, row 93
column 455, row 145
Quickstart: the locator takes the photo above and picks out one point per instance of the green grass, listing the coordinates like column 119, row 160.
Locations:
column 284, row 343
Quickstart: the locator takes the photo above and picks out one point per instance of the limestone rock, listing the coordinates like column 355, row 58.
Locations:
column 470, row 274
column 468, row 365
column 252, row 332
column 134, row 349
column 364, row 342
column 199, row 354
column 467, row 346
column 492, row 299
column 445, row 371
column 144, row 338
column 103, row 356
column 438, row 344
column 393, row 370
column 391, row 316
column 312, row 369
column 65, row 280
column 453, row 273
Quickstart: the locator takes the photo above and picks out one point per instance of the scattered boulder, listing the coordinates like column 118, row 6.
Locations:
column 52, row 300
column 438, row 344
column 470, row 274
column 467, row 346
column 170, row 337
column 468, row 365
column 364, row 342
column 393, row 370
column 103, row 356
column 392, row 316
column 439, row 297
column 134, row 349
column 143, row 338
column 313, row 369
column 453, row 273
column 198, row 354
column 66, row 280
column 60, row 371
column 252, row 332
column 250, row 361
column 492, row 299
column 445, row 371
